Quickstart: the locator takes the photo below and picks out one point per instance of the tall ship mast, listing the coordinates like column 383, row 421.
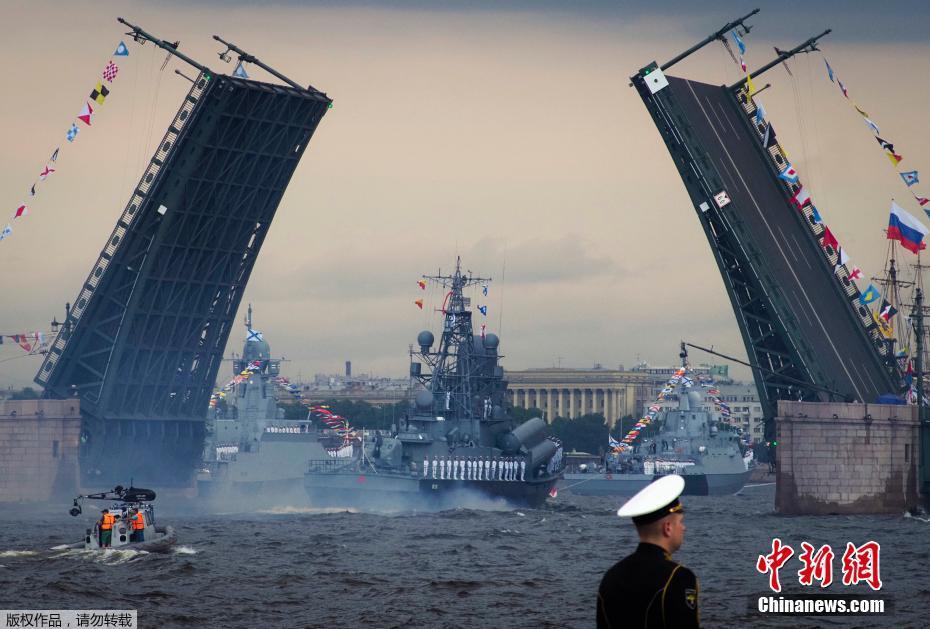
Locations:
column 457, row 441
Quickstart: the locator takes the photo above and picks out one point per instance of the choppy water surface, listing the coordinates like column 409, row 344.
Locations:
column 298, row 567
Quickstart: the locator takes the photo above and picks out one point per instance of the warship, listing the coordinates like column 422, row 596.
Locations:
column 250, row 448
column 691, row 441
column 457, row 441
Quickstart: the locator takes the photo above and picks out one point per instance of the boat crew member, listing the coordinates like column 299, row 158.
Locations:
column 435, row 464
column 107, row 520
column 425, row 466
column 137, row 521
column 469, row 468
column 442, row 468
column 448, row 468
column 484, row 468
column 649, row 588
column 522, row 468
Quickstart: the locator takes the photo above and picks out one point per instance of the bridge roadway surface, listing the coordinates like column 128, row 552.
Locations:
column 793, row 259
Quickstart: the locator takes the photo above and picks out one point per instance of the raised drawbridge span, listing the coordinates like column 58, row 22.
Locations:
column 143, row 341
column 798, row 311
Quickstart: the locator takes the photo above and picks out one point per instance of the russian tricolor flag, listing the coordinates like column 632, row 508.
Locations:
column 907, row 229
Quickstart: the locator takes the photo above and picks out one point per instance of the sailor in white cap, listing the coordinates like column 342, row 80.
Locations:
column 649, row 588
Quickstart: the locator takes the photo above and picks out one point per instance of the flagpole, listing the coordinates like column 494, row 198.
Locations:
column 246, row 57
column 711, row 38
column 139, row 34
column 808, row 46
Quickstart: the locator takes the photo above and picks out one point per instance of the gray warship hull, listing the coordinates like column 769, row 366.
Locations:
column 275, row 470
column 696, row 484
column 391, row 491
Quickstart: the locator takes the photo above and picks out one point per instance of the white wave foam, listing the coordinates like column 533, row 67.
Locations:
column 906, row 515
column 184, row 550
column 107, row 556
column 18, row 553
column 293, row 510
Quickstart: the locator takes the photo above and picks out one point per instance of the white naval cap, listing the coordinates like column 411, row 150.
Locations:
column 654, row 501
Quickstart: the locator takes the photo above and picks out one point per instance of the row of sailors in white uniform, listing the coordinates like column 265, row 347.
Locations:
column 480, row 468
column 226, row 453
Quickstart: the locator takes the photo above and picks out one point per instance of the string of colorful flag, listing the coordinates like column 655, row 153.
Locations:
column 337, row 422
column 739, row 59
column 627, row 442
column 902, row 227
column 97, row 96
column 910, row 177
column 322, row 412
column 32, row 342
column 679, row 378
column 800, row 195
column 714, row 394
column 483, row 309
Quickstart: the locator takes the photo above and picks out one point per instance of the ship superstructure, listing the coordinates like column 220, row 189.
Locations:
column 251, row 449
column 457, row 437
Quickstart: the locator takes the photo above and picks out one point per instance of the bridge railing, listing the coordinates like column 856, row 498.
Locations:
column 126, row 220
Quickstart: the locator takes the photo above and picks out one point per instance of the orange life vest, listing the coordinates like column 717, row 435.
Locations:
column 138, row 521
column 107, row 523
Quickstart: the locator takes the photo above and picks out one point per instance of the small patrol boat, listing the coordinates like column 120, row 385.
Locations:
column 125, row 502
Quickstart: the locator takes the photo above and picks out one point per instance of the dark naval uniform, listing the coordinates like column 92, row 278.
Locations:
column 648, row 589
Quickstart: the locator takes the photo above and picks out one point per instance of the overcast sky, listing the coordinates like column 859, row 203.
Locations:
column 503, row 132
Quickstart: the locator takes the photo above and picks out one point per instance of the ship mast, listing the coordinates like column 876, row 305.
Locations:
column 455, row 367
column 892, row 284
